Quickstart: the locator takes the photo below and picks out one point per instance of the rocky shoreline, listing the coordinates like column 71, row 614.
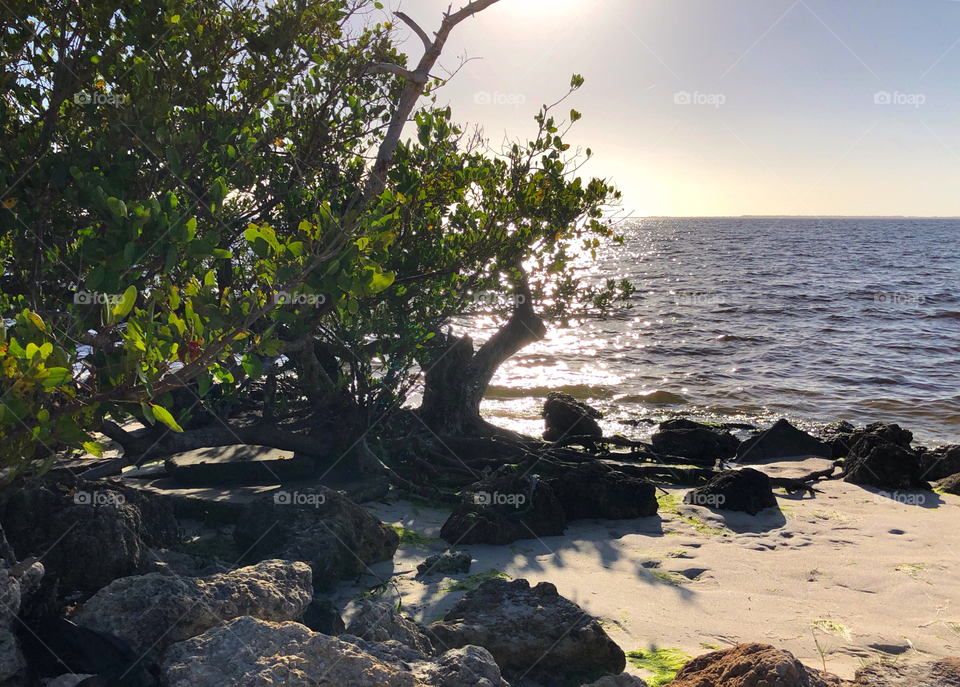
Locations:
column 109, row 583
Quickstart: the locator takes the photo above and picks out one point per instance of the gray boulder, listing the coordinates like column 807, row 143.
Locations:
column 247, row 652
column 17, row 582
column 318, row 526
column 379, row 622
column 151, row 612
column 529, row 629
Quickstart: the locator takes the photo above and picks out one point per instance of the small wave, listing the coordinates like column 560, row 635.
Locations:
column 575, row 390
column 734, row 337
column 948, row 315
column 658, row 397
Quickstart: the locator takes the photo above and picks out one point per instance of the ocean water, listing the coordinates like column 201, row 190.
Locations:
column 750, row 319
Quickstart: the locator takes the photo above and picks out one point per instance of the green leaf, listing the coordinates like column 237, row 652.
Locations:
column 126, row 303
column 94, row 447
column 117, row 206
column 56, row 376
column 252, row 366
column 381, row 281
column 164, row 416
column 36, row 321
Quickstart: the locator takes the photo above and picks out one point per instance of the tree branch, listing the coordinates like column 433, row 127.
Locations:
column 427, row 43
column 397, row 70
column 377, row 180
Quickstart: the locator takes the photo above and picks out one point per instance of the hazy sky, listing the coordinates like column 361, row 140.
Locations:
column 797, row 131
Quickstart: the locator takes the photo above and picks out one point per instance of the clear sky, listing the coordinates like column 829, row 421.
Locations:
column 787, row 121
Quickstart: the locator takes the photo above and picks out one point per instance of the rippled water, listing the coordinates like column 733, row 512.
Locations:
column 751, row 319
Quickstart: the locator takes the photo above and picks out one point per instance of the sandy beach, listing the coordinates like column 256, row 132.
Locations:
column 865, row 575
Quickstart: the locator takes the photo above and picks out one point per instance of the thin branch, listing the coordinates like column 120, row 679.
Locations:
column 427, row 43
column 396, row 69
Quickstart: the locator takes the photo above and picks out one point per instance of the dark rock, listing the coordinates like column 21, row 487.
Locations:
column 839, row 437
column 318, row 526
column 57, row 646
column 504, row 507
column 782, row 440
column 88, row 533
column 942, row 673
column 322, row 615
column 750, row 665
column 446, row 563
column 842, row 436
column 940, row 463
column 745, row 490
column 891, row 432
column 593, row 490
column 565, row 416
column 694, row 441
column 530, row 629
column 876, row 462
column 950, row 484
column 241, row 464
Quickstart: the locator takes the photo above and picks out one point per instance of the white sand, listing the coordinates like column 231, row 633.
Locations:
column 881, row 576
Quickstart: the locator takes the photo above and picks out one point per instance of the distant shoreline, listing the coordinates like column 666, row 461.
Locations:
column 791, row 217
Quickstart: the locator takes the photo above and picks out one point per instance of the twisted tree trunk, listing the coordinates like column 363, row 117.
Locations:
column 456, row 377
